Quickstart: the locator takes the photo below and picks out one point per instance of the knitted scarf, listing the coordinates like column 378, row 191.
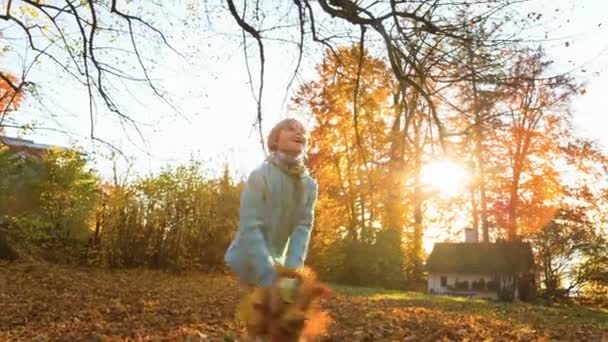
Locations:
column 292, row 166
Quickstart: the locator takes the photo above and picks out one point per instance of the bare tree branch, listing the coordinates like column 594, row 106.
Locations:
column 356, row 91
column 81, row 62
column 301, row 18
column 395, row 27
column 256, row 35
column 130, row 18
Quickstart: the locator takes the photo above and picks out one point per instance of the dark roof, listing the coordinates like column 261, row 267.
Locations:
column 24, row 147
column 473, row 257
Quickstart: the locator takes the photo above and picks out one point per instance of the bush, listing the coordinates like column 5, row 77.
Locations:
column 181, row 219
column 479, row 285
column 492, row 285
column 461, row 285
column 595, row 294
column 47, row 201
column 7, row 252
column 377, row 262
column 56, row 210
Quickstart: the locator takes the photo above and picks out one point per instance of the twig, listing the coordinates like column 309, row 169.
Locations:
column 256, row 35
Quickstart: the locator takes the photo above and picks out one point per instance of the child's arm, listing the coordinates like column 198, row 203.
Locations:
column 251, row 211
column 298, row 242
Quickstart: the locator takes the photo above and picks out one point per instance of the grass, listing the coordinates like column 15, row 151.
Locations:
column 523, row 313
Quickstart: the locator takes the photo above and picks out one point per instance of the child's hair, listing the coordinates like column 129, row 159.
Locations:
column 273, row 136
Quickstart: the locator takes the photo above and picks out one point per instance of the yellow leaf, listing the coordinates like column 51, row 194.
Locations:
column 29, row 11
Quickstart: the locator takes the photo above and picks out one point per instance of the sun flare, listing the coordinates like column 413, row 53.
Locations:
column 445, row 176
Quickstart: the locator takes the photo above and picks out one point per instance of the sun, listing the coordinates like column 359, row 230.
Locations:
column 446, row 177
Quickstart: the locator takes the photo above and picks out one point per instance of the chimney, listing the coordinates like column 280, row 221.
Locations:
column 469, row 235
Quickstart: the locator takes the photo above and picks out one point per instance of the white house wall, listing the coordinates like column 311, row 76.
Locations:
column 434, row 283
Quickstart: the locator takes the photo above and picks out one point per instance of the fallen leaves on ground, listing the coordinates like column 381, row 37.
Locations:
column 42, row 302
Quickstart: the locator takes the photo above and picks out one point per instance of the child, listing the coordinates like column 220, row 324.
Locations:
column 276, row 213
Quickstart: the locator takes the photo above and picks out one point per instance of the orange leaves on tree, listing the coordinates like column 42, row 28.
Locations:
column 538, row 107
column 11, row 94
column 346, row 137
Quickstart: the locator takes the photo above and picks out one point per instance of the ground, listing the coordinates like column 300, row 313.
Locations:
column 42, row 302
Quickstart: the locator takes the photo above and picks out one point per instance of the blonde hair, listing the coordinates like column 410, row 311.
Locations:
column 273, row 136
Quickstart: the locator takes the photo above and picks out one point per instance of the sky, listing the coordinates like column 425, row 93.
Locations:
column 210, row 87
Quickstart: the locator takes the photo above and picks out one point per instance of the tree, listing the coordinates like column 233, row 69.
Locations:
column 47, row 201
column 348, row 157
column 412, row 144
column 392, row 23
column 535, row 106
column 10, row 96
column 179, row 219
column 571, row 248
column 477, row 115
column 592, row 271
column 568, row 255
column 69, row 194
column 107, row 33
column 364, row 165
column 95, row 43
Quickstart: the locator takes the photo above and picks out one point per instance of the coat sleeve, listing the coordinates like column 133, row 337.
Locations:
column 254, row 248
column 300, row 238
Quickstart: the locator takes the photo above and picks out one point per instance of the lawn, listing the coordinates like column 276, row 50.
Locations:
column 43, row 302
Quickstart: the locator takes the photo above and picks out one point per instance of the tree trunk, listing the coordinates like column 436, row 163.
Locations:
column 512, row 209
column 507, row 284
column 96, row 238
column 416, row 252
column 479, row 153
column 485, row 227
column 395, row 172
column 474, row 211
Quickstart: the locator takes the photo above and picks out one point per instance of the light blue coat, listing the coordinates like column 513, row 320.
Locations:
column 268, row 232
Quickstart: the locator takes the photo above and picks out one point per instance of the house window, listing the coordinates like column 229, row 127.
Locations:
column 444, row 281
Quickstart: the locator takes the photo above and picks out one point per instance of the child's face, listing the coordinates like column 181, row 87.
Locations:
column 292, row 140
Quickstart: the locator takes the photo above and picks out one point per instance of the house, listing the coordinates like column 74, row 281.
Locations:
column 20, row 150
column 23, row 147
column 481, row 270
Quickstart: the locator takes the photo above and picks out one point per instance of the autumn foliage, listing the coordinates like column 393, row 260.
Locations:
column 264, row 314
column 370, row 142
column 179, row 219
column 50, row 302
column 10, row 95
column 530, row 177
column 434, row 91
column 57, row 209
